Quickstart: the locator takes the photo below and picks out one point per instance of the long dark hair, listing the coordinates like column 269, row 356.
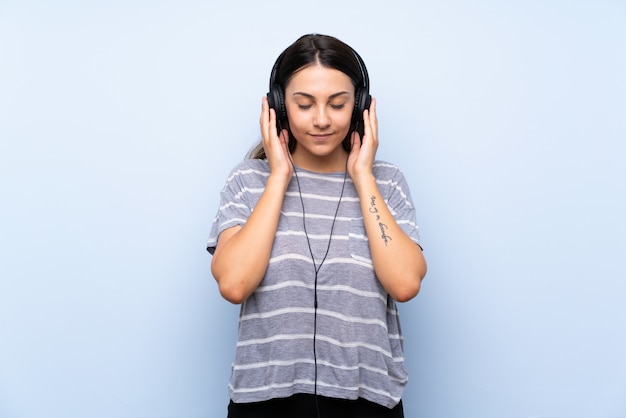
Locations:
column 312, row 49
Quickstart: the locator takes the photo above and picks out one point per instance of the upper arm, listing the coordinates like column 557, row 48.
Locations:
column 224, row 237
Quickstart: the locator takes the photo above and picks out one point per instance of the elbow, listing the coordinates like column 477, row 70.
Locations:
column 232, row 294
column 411, row 287
column 410, row 283
column 229, row 287
column 407, row 292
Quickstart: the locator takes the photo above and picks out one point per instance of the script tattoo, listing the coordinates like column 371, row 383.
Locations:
column 383, row 228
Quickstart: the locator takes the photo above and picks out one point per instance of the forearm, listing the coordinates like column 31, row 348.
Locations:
column 241, row 259
column 398, row 261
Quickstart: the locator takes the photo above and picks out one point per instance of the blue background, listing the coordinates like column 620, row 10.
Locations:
column 120, row 120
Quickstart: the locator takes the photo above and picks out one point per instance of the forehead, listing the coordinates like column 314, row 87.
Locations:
column 319, row 80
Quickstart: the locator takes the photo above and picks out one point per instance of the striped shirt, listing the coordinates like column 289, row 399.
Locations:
column 356, row 328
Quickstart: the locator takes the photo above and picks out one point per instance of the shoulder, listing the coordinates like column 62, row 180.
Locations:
column 384, row 170
column 391, row 180
column 250, row 170
column 252, row 165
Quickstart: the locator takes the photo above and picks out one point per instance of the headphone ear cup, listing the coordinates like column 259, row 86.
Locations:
column 367, row 102
column 358, row 112
column 281, row 112
column 362, row 101
column 276, row 101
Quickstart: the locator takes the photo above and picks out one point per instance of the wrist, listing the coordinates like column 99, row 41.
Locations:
column 278, row 181
column 363, row 181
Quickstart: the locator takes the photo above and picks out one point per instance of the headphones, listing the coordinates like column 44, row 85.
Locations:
column 362, row 97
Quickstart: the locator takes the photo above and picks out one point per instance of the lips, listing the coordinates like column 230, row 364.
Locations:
column 322, row 136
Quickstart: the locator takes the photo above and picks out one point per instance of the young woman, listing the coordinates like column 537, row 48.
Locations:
column 317, row 241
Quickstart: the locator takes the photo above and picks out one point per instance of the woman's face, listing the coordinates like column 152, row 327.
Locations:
column 319, row 104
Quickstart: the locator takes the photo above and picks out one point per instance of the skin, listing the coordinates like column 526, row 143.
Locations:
column 319, row 104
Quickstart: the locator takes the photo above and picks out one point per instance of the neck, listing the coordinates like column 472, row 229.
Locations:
column 334, row 163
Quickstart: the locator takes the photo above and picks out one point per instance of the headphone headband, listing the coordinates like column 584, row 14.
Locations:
column 362, row 97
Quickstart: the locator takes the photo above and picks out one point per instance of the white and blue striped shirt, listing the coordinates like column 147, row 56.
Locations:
column 358, row 339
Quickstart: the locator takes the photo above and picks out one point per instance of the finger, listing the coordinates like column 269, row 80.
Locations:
column 268, row 120
column 373, row 117
column 272, row 124
column 371, row 125
column 355, row 141
column 367, row 124
column 264, row 118
column 284, row 136
column 270, row 136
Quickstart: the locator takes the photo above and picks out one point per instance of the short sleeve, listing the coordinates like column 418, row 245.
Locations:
column 234, row 208
column 402, row 207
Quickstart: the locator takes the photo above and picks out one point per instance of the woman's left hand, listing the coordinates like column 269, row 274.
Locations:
column 361, row 158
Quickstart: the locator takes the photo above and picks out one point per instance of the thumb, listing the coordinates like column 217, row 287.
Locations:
column 284, row 136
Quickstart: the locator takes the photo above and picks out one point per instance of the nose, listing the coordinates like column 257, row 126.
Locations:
column 321, row 119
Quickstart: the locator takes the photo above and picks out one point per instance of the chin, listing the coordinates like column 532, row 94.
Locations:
column 325, row 150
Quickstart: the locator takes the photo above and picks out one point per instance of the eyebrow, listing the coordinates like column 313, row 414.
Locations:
column 310, row 96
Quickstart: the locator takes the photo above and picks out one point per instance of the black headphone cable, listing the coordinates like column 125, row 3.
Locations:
column 317, row 267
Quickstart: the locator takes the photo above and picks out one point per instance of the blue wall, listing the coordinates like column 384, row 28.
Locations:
column 119, row 122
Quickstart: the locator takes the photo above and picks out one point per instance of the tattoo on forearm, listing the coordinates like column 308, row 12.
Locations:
column 383, row 228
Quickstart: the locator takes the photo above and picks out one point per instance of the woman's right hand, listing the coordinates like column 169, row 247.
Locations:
column 276, row 147
column 243, row 252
